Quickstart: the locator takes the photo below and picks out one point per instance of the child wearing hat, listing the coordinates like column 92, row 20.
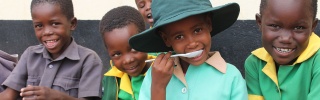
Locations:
column 128, row 66
column 185, row 29
column 287, row 67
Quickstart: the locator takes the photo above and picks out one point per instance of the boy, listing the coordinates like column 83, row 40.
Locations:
column 185, row 29
column 287, row 66
column 7, row 63
column 144, row 7
column 124, row 79
column 58, row 68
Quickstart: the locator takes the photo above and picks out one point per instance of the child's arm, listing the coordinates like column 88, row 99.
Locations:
column 45, row 93
column 239, row 89
column 9, row 94
column 252, row 80
column 162, row 71
column 314, row 85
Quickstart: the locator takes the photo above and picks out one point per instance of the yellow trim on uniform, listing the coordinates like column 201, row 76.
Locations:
column 270, row 70
column 255, row 97
column 125, row 83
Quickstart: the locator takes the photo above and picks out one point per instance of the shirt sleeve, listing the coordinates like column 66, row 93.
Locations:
column 315, row 87
column 239, row 90
column 18, row 78
column 145, row 90
column 91, row 77
column 252, row 78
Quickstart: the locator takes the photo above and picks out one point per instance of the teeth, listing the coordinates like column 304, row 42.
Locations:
column 149, row 16
column 50, row 41
column 282, row 50
column 132, row 67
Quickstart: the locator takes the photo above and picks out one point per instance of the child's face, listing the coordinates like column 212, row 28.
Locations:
column 286, row 27
column 193, row 36
column 144, row 7
column 52, row 28
column 123, row 56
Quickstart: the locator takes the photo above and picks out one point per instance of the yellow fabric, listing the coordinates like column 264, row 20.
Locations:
column 270, row 69
column 255, row 97
column 125, row 83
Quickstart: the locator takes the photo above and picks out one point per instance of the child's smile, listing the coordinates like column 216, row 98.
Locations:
column 193, row 36
column 286, row 28
column 123, row 56
column 52, row 28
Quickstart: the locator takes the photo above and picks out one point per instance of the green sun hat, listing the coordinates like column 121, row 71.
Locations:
column 168, row 11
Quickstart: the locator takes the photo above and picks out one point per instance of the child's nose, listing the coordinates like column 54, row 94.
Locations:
column 47, row 31
column 128, row 59
column 285, row 36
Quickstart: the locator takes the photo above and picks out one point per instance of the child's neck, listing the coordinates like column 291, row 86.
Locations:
column 184, row 66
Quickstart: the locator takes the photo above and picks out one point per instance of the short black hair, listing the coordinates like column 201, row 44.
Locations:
column 66, row 6
column 313, row 7
column 120, row 17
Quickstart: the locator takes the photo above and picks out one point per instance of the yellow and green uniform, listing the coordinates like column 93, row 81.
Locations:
column 299, row 81
column 117, row 85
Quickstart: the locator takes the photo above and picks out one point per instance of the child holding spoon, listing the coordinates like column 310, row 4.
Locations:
column 204, row 77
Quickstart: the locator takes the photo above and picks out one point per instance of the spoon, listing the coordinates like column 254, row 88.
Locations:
column 188, row 55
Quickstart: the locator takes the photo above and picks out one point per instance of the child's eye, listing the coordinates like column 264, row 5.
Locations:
column 141, row 5
column 274, row 26
column 299, row 28
column 116, row 55
column 197, row 30
column 178, row 37
column 38, row 26
column 133, row 50
column 54, row 24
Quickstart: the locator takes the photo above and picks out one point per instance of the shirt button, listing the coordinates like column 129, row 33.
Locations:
column 50, row 66
column 184, row 90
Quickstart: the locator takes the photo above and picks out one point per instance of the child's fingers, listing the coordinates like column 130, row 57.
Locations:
column 158, row 59
column 169, row 64
column 28, row 93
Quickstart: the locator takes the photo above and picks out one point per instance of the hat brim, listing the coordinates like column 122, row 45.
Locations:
column 149, row 41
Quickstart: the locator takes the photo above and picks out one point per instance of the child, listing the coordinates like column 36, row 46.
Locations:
column 58, row 68
column 124, row 79
column 7, row 63
column 144, row 7
column 186, row 29
column 287, row 66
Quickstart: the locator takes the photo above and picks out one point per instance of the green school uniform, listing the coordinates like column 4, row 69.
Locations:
column 300, row 81
column 213, row 80
column 118, row 86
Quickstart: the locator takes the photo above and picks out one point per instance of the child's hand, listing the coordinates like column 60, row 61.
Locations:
column 38, row 93
column 162, row 70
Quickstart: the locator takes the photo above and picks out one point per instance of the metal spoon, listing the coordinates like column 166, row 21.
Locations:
column 189, row 55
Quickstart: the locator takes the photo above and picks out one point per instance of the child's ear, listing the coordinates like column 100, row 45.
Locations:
column 314, row 24
column 164, row 38
column 258, row 20
column 74, row 23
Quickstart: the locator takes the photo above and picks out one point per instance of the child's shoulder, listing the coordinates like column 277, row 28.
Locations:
column 233, row 70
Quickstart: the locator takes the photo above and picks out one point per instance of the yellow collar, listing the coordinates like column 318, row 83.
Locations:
column 125, row 83
column 270, row 70
column 215, row 61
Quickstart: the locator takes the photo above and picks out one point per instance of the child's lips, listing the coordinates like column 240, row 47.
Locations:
column 284, row 51
column 51, row 43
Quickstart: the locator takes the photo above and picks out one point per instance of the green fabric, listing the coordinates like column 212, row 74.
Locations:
column 136, row 83
column 167, row 11
column 109, row 88
column 298, row 82
column 204, row 83
column 124, row 96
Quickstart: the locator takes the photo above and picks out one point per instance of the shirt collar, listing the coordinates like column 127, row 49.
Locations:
column 313, row 46
column 125, row 83
column 215, row 60
column 270, row 70
column 71, row 51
